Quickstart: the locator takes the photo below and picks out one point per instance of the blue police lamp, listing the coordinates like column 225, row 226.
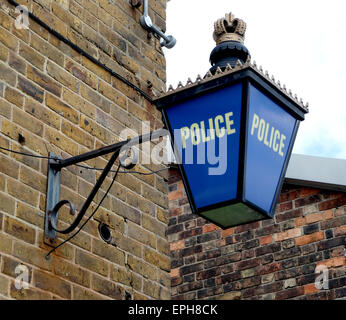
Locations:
column 232, row 133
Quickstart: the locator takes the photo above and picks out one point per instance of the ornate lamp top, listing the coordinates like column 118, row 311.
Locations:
column 229, row 29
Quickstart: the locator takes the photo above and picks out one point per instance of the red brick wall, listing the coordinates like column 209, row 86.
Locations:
column 272, row 259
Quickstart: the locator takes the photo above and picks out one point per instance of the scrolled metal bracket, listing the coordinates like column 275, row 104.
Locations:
column 56, row 164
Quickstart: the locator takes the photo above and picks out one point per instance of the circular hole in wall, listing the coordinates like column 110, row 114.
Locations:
column 105, row 233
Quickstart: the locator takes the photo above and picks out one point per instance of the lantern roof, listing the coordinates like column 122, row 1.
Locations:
column 231, row 70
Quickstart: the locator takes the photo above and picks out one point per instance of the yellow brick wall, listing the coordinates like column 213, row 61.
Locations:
column 53, row 99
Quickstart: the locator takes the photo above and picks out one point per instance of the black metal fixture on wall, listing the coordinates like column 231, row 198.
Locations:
column 55, row 165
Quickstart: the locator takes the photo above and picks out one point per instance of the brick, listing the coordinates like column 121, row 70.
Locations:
column 141, row 235
column 108, row 252
column 28, row 122
column 289, row 283
column 7, row 74
column 61, row 141
column 177, row 245
column 28, row 294
column 154, row 226
column 162, row 215
column 310, row 288
column 4, row 285
column 334, row 262
column 311, row 258
column 52, row 284
column 8, row 40
column 112, row 94
column 41, row 113
column 71, row 272
column 9, row 166
column 97, row 131
column 190, row 287
column 5, row 241
column 14, row 96
column 287, row 253
column 5, row 20
column 228, row 232
column 312, row 228
column 23, row 192
column 62, row 76
column 44, row 81
column 126, row 211
column 247, row 273
column 271, row 248
column 19, row 230
column 92, row 263
column 49, row 19
column 206, row 255
column 157, row 259
column 30, row 89
column 79, row 104
column 251, row 244
column 126, row 277
column 290, row 293
column 288, row 243
column 340, row 211
column 2, row 183
column 142, row 268
column 31, row 255
column 191, row 269
column 307, row 201
column 5, row 110
column 31, row 162
column 209, row 228
column 155, row 196
column 334, row 203
column 317, row 236
column 95, row 98
column 82, row 74
column 340, row 231
column 175, row 195
column 288, row 215
column 64, row 15
column 247, row 264
column 207, row 237
column 31, row 56
column 17, row 63
column 175, row 272
column 77, row 135
column 11, row 130
column 266, row 240
column 4, row 52
column 7, row 204
column 108, row 288
column 333, row 223
column 85, row 294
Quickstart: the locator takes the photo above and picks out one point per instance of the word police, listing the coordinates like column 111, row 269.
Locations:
column 218, row 126
column 268, row 135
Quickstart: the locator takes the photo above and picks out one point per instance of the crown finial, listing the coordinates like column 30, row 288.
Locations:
column 229, row 33
column 229, row 29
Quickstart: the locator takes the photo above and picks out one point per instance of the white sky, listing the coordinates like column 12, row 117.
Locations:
column 300, row 42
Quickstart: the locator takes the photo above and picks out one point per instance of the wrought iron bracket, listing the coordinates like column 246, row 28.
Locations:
column 56, row 164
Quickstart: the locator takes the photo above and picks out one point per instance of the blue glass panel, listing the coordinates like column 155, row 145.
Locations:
column 270, row 131
column 207, row 132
